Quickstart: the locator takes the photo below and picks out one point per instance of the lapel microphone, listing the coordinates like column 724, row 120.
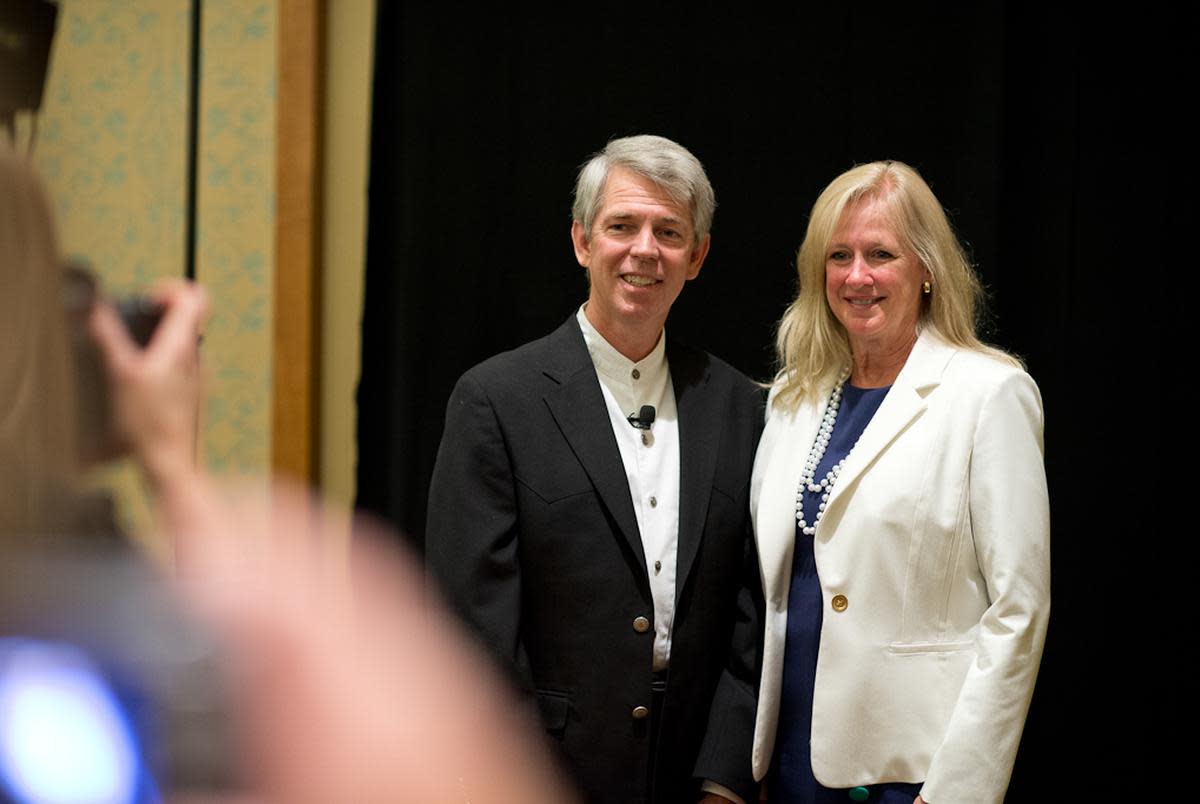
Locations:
column 643, row 418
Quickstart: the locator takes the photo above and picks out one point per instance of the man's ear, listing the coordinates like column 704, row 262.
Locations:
column 699, row 253
column 583, row 246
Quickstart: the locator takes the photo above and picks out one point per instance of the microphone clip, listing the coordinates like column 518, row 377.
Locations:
column 643, row 418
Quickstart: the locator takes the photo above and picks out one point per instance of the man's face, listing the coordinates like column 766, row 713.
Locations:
column 638, row 255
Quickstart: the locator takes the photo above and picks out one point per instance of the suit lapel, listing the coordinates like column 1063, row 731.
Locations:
column 699, row 437
column 577, row 405
column 776, row 522
column 904, row 403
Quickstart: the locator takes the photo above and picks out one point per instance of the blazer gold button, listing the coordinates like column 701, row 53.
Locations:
column 840, row 602
column 639, row 712
column 641, row 625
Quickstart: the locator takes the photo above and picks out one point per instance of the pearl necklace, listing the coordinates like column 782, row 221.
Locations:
column 808, row 480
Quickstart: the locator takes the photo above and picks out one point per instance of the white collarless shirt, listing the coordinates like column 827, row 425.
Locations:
column 651, row 459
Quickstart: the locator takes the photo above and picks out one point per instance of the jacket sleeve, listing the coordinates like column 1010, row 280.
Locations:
column 1010, row 529
column 725, row 754
column 472, row 526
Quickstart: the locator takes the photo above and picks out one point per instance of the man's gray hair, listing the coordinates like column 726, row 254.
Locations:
column 666, row 163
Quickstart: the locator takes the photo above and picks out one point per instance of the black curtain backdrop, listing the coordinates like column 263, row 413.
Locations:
column 1028, row 124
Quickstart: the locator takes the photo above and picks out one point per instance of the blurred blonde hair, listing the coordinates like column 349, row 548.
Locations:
column 37, row 422
column 811, row 344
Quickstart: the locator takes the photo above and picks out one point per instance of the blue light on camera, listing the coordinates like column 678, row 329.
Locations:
column 63, row 736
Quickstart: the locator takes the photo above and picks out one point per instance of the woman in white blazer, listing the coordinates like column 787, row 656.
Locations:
column 900, row 508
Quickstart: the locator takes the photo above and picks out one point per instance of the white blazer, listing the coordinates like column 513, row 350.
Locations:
column 934, row 561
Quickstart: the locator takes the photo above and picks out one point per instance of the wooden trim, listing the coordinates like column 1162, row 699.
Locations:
column 296, row 376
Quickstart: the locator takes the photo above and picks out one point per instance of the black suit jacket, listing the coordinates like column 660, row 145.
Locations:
column 532, row 537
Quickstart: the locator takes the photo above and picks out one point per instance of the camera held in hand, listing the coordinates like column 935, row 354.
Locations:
column 98, row 438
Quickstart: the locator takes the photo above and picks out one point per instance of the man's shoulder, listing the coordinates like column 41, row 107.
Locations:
column 515, row 368
column 502, row 364
column 691, row 360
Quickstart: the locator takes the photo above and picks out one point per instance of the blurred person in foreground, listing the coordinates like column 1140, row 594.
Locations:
column 588, row 512
column 901, row 516
column 37, row 404
column 342, row 687
column 347, row 687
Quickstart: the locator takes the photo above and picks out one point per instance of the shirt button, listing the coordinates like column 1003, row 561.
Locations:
column 653, row 502
column 639, row 712
column 645, row 439
column 839, row 602
column 657, row 567
column 637, row 375
column 641, row 625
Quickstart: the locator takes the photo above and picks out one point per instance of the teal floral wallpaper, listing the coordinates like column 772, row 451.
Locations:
column 111, row 136
column 111, row 143
column 236, row 216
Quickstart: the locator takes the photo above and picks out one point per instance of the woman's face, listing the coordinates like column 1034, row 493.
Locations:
column 873, row 281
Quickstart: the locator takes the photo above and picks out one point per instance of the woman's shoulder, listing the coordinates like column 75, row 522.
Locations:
column 982, row 383
column 982, row 368
column 979, row 381
column 780, row 407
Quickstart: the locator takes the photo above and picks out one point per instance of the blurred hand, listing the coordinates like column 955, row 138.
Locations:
column 347, row 684
column 156, row 391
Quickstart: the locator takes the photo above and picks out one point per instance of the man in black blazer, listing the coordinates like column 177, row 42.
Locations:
column 588, row 515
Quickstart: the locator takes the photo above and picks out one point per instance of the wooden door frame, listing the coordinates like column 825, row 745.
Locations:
column 296, row 367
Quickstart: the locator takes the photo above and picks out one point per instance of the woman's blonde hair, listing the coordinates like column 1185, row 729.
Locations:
column 37, row 405
column 811, row 344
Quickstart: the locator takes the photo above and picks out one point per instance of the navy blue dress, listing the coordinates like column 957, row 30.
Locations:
column 791, row 779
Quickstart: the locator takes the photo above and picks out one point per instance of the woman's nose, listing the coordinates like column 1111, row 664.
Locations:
column 860, row 271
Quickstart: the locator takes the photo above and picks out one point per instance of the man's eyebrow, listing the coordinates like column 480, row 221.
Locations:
column 621, row 215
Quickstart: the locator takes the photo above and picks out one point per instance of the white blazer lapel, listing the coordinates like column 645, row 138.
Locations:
column 790, row 437
column 904, row 403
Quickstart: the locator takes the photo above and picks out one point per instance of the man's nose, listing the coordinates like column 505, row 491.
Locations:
column 645, row 245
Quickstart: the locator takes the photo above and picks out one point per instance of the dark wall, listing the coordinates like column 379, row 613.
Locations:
column 1022, row 123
